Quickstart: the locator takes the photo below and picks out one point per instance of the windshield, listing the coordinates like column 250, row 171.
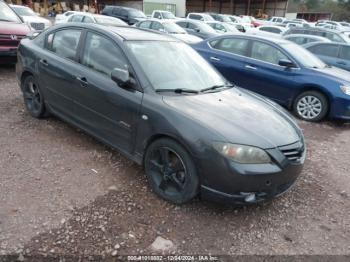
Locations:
column 109, row 20
column 179, row 67
column 24, row 11
column 205, row 27
column 173, row 28
column 225, row 18
column 303, row 56
column 7, row 14
column 136, row 13
column 168, row 15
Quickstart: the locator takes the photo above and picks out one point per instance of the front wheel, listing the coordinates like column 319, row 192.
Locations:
column 171, row 171
column 311, row 106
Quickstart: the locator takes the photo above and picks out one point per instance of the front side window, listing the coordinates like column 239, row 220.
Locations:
column 345, row 53
column 102, row 54
column 266, row 53
column 235, row 46
column 197, row 17
column 64, row 43
column 326, row 50
column 192, row 71
column 157, row 15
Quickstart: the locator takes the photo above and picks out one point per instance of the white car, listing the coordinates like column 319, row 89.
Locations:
column 96, row 19
column 200, row 16
column 169, row 27
column 31, row 18
column 222, row 27
column 63, row 18
column 161, row 14
column 268, row 30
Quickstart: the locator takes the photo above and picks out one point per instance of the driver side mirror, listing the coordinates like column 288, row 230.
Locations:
column 286, row 63
column 120, row 76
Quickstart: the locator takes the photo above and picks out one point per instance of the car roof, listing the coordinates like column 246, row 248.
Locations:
column 306, row 36
column 125, row 32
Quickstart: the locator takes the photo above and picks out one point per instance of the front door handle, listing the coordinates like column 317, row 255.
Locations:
column 250, row 67
column 83, row 81
column 44, row 62
column 213, row 58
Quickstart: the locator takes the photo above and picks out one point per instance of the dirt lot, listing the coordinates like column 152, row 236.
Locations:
column 62, row 192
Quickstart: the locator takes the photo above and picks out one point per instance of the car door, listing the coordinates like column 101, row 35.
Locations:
column 58, row 69
column 327, row 52
column 228, row 55
column 104, row 108
column 343, row 60
column 266, row 76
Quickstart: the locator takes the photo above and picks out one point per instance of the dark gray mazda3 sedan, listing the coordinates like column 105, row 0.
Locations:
column 160, row 103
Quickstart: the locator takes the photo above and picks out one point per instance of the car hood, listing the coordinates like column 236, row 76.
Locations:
column 334, row 72
column 239, row 117
column 35, row 19
column 12, row 28
column 187, row 38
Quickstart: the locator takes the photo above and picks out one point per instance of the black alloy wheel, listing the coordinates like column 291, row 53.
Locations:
column 33, row 98
column 170, row 171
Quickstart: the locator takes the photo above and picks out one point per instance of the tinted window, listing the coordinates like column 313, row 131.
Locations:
column 88, row 19
column 197, row 17
column 326, row 50
column 345, row 53
column 234, row 46
column 267, row 53
column 182, row 24
column 77, row 18
column 123, row 12
column 157, row 26
column 145, row 24
column 116, row 11
column 65, row 43
column 297, row 40
column 157, row 15
column 102, row 55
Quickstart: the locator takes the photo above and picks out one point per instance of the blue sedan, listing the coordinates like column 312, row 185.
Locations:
column 283, row 72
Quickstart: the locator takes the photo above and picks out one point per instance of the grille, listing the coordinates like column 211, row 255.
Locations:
column 38, row 26
column 293, row 152
column 10, row 40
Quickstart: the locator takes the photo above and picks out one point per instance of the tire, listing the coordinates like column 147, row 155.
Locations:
column 170, row 171
column 33, row 98
column 311, row 106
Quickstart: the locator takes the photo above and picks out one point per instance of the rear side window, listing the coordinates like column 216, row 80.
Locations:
column 76, row 18
column 345, row 53
column 64, row 43
column 145, row 24
column 235, row 46
column 266, row 53
column 157, row 26
column 326, row 50
column 194, row 16
column 88, row 19
column 102, row 54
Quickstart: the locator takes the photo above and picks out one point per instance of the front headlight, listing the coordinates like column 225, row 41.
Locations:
column 345, row 89
column 242, row 154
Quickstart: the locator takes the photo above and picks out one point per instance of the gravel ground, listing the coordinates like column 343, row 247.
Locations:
column 64, row 193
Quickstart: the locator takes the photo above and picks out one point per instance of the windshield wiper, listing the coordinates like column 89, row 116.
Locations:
column 214, row 87
column 178, row 90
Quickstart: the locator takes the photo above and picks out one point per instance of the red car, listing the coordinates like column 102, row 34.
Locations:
column 12, row 30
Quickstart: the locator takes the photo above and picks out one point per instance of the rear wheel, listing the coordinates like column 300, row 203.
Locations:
column 311, row 106
column 171, row 171
column 33, row 98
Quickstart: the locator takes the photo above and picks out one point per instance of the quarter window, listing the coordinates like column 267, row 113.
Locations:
column 235, row 46
column 102, row 55
column 326, row 50
column 64, row 43
column 266, row 53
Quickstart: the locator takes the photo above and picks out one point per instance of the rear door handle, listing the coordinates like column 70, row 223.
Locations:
column 250, row 67
column 44, row 62
column 341, row 63
column 213, row 58
column 83, row 81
